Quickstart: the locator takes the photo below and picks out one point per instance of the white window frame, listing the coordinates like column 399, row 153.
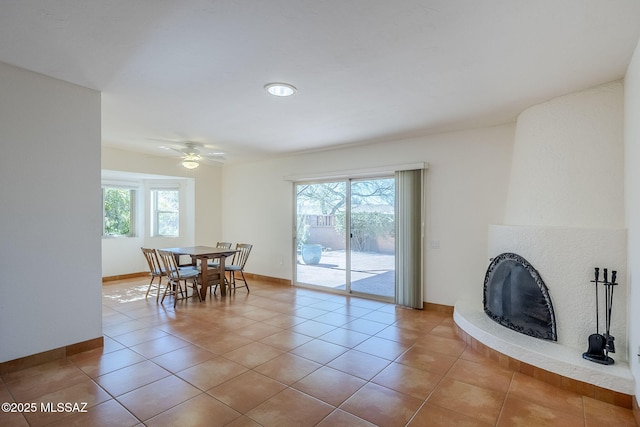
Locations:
column 155, row 212
column 132, row 210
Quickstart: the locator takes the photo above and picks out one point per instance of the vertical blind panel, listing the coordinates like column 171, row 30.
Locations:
column 409, row 238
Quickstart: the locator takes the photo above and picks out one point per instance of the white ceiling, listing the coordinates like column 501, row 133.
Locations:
column 366, row 70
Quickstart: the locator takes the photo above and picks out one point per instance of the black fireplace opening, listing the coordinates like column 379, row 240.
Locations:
column 516, row 297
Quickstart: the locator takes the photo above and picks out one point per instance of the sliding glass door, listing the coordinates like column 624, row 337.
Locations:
column 345, row 236
column 372, row 242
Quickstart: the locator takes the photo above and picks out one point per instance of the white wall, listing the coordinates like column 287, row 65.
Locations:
column 568, row 161
column 51, row 215
column 632, row 197
column 200, row 207
column 466, row 190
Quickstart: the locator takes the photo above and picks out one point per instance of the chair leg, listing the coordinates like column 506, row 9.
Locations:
column 149, row 287
column 246, row 285
column 166, row 289
column 175, row 295
column 196, row 290
column 158, row 294
column 232, row 280
column 212, row 290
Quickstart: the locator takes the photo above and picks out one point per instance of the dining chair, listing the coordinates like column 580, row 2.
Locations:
column 214, row 263
column 178, row 275
column 155, row 270
column 237, row 265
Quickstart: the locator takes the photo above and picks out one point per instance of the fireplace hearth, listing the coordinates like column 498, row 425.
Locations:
column 516, row 297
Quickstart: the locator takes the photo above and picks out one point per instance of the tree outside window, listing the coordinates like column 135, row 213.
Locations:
column 117, row 211
column 166, row 213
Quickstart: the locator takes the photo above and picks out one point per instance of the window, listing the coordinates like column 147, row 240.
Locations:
column 117, row 215
column 165, row 212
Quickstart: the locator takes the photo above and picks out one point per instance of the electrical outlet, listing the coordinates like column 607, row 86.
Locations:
column 435, row 244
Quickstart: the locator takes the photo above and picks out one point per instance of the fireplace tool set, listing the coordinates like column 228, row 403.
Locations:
column 600, row 345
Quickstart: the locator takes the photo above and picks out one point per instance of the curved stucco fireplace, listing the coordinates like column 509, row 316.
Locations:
column 565, row 214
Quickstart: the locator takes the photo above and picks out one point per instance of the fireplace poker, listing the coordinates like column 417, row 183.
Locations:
column 597, row 309
column 609, row 344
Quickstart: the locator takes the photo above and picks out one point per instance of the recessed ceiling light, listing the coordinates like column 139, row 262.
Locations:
column 280, row 89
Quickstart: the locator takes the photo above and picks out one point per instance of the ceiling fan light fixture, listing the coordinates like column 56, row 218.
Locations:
column 190, row 164
column 280, row 89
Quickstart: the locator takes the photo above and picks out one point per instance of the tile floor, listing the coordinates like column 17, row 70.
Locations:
column 283, row 356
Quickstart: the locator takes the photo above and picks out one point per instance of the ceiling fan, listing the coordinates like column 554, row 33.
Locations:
column 191, row 154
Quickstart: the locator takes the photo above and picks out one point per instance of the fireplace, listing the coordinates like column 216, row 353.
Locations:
column 516, row 297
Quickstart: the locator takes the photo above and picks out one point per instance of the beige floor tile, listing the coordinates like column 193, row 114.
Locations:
column 103, row 364
column 345, row 337
column 82, row 396
column 284, row 320
column 445, row 331
column 131, row 377
column 340, row 418
column 243, row 421
column 435, row 416
column 260, row 314
column 287, row 368
column 150, row 400
column 319, row 351
column 599, row 413
column 422, row 358
column 408, row 380
column 223, row 343
column 329, row 385
column 183, row 358
column 290, row 408
column 387, row 318
column 13, row 419
column 258, row 331
column 106, row 414
column 211, row 373
column 382, row 406
column 29, row 384
column 253, row 354
column 246, row 391
column 159, row 346
column 361, row 365
column 480, row 403
column 202, row 410
column 365, row 326
column 434, row 343
column 518, row 412
column 286, row 340
column 334, row 319
column 382, row 347
column 404, row 336
column 485, row 375
column 313, row 328
column 123, row 327
column 532, row 390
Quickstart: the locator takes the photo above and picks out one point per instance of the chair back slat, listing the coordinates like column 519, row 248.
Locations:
column 240, row 257
column 152, row 260
column 170, row 264
column 223, row 245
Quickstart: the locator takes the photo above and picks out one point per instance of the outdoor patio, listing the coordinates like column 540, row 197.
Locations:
column 371, row 272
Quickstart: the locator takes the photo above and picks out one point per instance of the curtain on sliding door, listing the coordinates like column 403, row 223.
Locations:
column 409, row 257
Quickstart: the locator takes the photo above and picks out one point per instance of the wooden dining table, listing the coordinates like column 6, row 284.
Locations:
column 205, row 253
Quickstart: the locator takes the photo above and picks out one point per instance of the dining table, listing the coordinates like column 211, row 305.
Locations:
column 205, row 253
